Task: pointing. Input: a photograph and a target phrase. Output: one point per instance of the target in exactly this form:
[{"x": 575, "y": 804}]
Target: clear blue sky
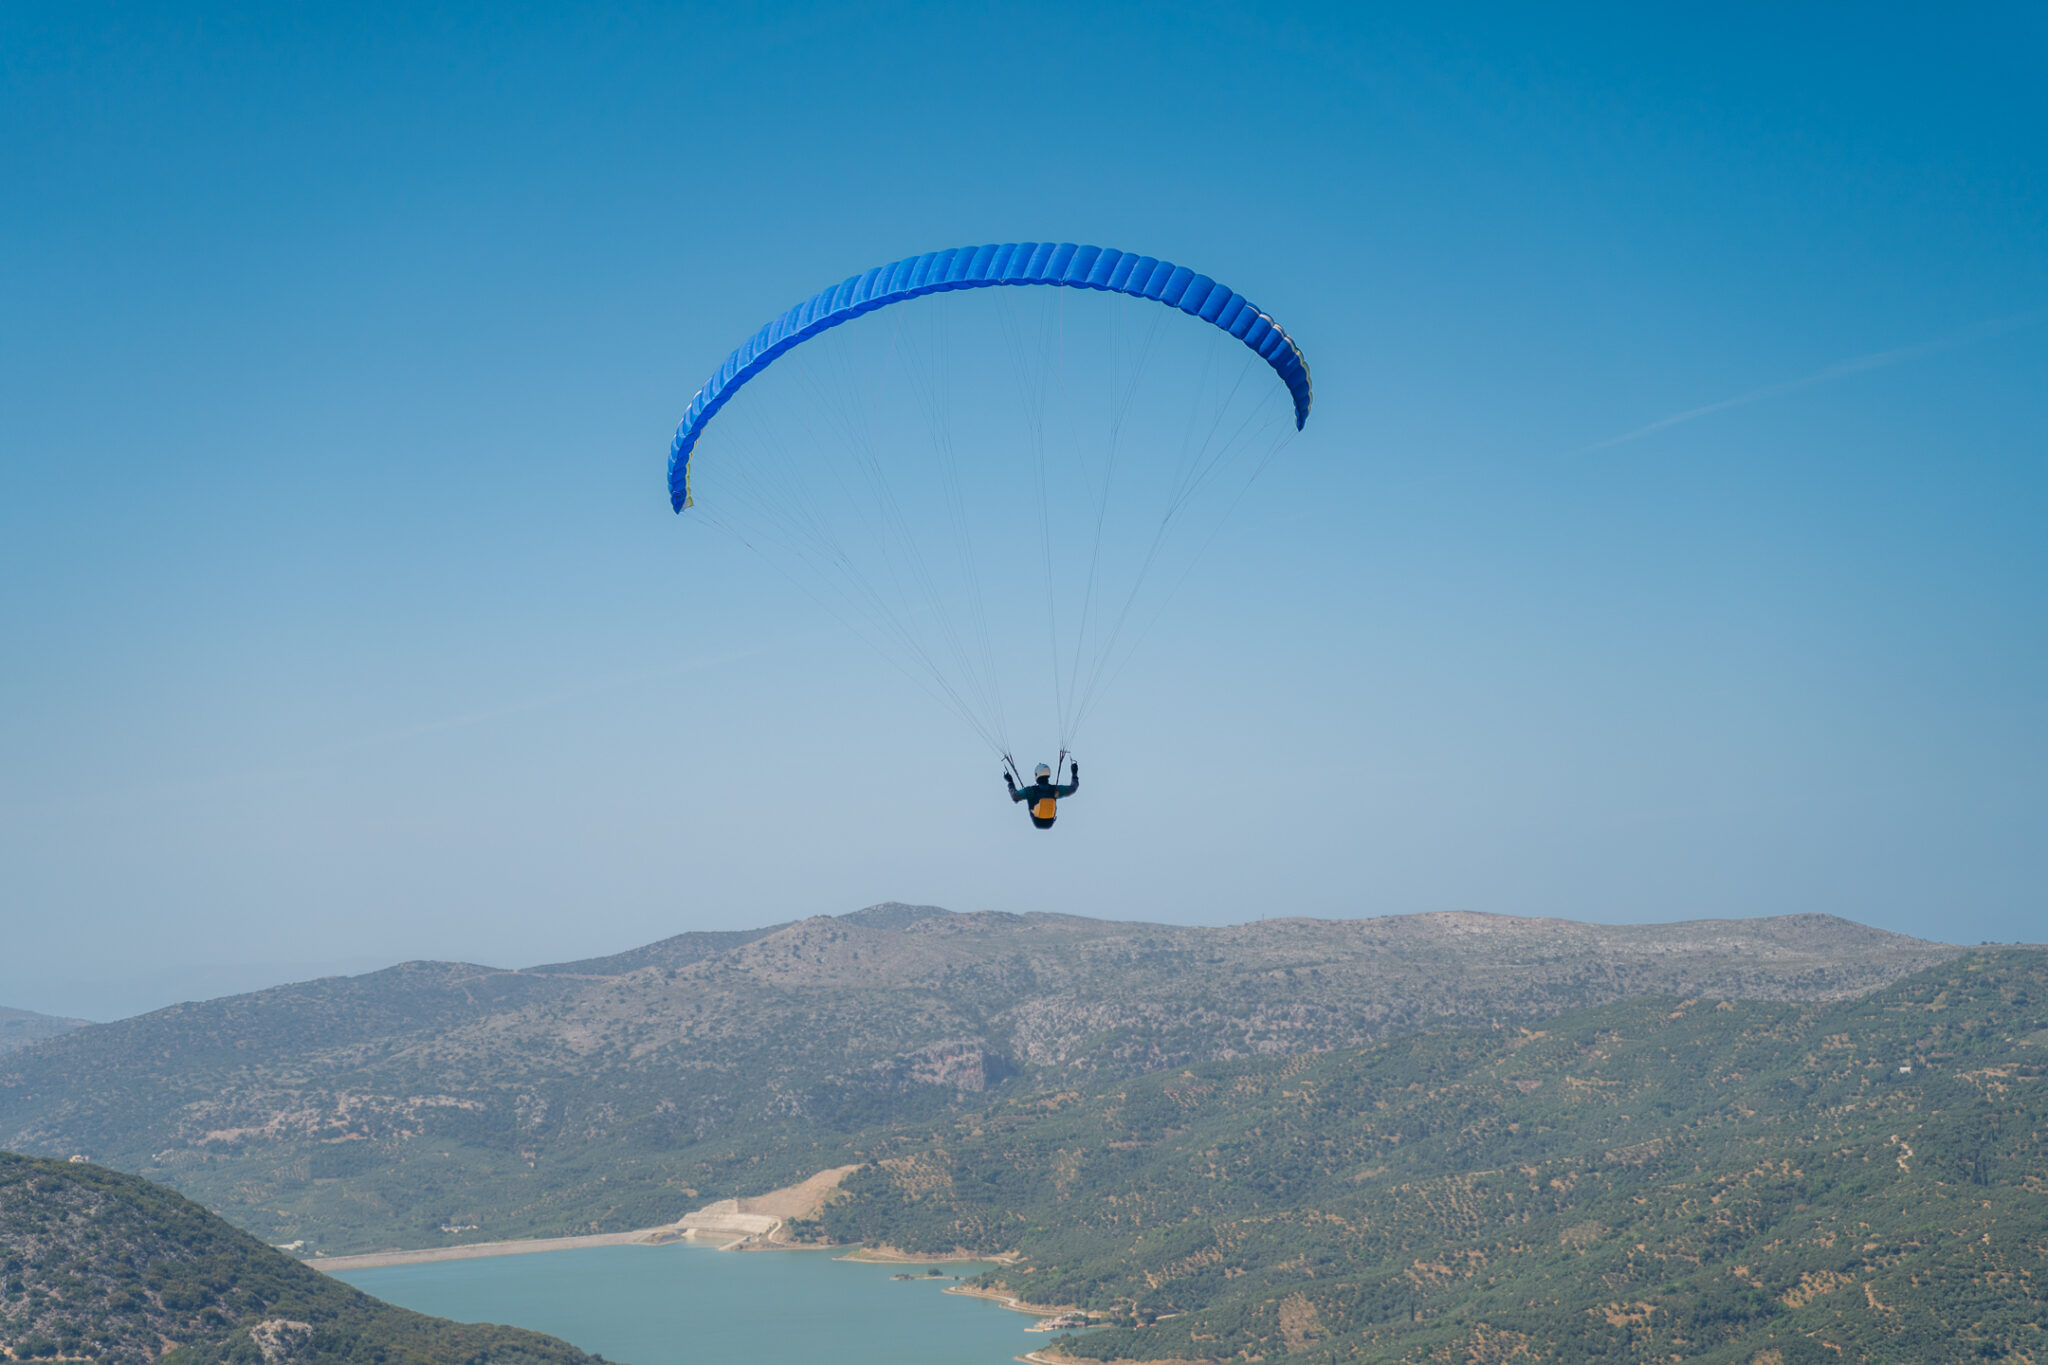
[{"x": 343, "y": 618}]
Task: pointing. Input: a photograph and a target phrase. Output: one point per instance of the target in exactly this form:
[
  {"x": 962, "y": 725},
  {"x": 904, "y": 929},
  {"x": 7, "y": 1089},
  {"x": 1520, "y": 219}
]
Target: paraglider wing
[{"x": 980, "y": 267}]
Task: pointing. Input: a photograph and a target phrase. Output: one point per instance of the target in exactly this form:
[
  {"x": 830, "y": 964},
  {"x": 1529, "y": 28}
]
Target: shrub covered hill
[
  {"x": 1695, "y": 1180},
  {"x": 437, "y": 1101},
  {"x": 111, "y": 1268}
]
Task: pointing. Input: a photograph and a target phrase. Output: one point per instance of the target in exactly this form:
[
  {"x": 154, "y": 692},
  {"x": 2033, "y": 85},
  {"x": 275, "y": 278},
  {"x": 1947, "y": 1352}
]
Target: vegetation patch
[{"x": 95, "y": 1265}]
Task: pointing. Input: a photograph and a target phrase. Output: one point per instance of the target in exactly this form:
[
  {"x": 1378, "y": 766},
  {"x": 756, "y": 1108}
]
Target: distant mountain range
[
  {"x": 440, "y": 1101},
  {"x": 106, "y": 1267},
  {"x": 19, "y": 1028}
]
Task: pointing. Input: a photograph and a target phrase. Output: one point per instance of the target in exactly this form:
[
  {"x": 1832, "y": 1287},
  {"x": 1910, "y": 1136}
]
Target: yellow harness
[{"x": 1045, "y": 808}]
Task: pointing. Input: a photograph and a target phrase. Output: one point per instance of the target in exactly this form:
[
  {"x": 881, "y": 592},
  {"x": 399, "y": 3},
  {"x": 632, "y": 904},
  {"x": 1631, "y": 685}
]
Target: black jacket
[{"x": 1038, "y": 791}]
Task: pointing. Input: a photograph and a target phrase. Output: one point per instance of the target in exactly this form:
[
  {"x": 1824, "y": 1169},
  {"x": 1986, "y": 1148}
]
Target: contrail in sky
[{"x": 1877, "y": 360}]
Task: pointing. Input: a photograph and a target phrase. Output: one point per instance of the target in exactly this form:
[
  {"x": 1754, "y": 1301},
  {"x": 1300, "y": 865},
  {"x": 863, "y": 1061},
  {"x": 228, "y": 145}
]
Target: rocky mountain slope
[
  {"x": 111, "y": 1268},
  {"x": 19, "y": 1028},
  {"x": 442, "y": 1100}
]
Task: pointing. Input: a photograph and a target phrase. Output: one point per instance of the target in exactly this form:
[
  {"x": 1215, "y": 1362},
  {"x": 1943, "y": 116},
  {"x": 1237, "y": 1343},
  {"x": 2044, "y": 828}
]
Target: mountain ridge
[
  {"x": 20, "y": 1028},
  {"x": 602, "y": 1094}
]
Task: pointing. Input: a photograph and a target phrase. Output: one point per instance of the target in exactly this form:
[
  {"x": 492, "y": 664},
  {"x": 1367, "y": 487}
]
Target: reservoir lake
[{"x": 666, "y": 1305}]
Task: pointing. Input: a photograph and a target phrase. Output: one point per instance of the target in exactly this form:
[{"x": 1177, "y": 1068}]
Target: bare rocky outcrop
[
  {"x": 762, "y": 1220},
  {"x": 280, "y": 1339}
]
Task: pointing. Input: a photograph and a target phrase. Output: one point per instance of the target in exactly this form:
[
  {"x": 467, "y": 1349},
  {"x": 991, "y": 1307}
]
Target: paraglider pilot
[{"x": 1044, "y": 794}]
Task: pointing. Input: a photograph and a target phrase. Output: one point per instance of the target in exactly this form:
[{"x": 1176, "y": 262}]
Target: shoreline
[
  {"x": 891, "y": 1256},
  {"x": 669, "y": 1234},
  {"x": 470, "y": 1251},
  {"x": 730, "y": 1223},
  {"x": 1007, "y": 1300}
]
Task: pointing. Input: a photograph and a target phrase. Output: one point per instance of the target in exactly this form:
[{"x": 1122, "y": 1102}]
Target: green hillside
[
  {"x": 617, "y": 1092},
  {"x": 109, "y": 1267},
  {"x": 1321, "y": 1142},
  {"x": 1672, "y": 1180}
]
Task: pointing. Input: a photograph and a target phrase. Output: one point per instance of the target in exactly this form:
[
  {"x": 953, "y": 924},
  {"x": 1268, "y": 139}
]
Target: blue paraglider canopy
[{"x": 979, "y": 267}]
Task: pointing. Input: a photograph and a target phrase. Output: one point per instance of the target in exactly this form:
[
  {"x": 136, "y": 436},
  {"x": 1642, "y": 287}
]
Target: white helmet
[{"x": 1043, "y": 770}]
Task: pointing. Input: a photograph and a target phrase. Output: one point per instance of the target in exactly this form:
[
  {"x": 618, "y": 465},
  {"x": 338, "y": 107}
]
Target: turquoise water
[{"x": 673, "y": 1304}]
